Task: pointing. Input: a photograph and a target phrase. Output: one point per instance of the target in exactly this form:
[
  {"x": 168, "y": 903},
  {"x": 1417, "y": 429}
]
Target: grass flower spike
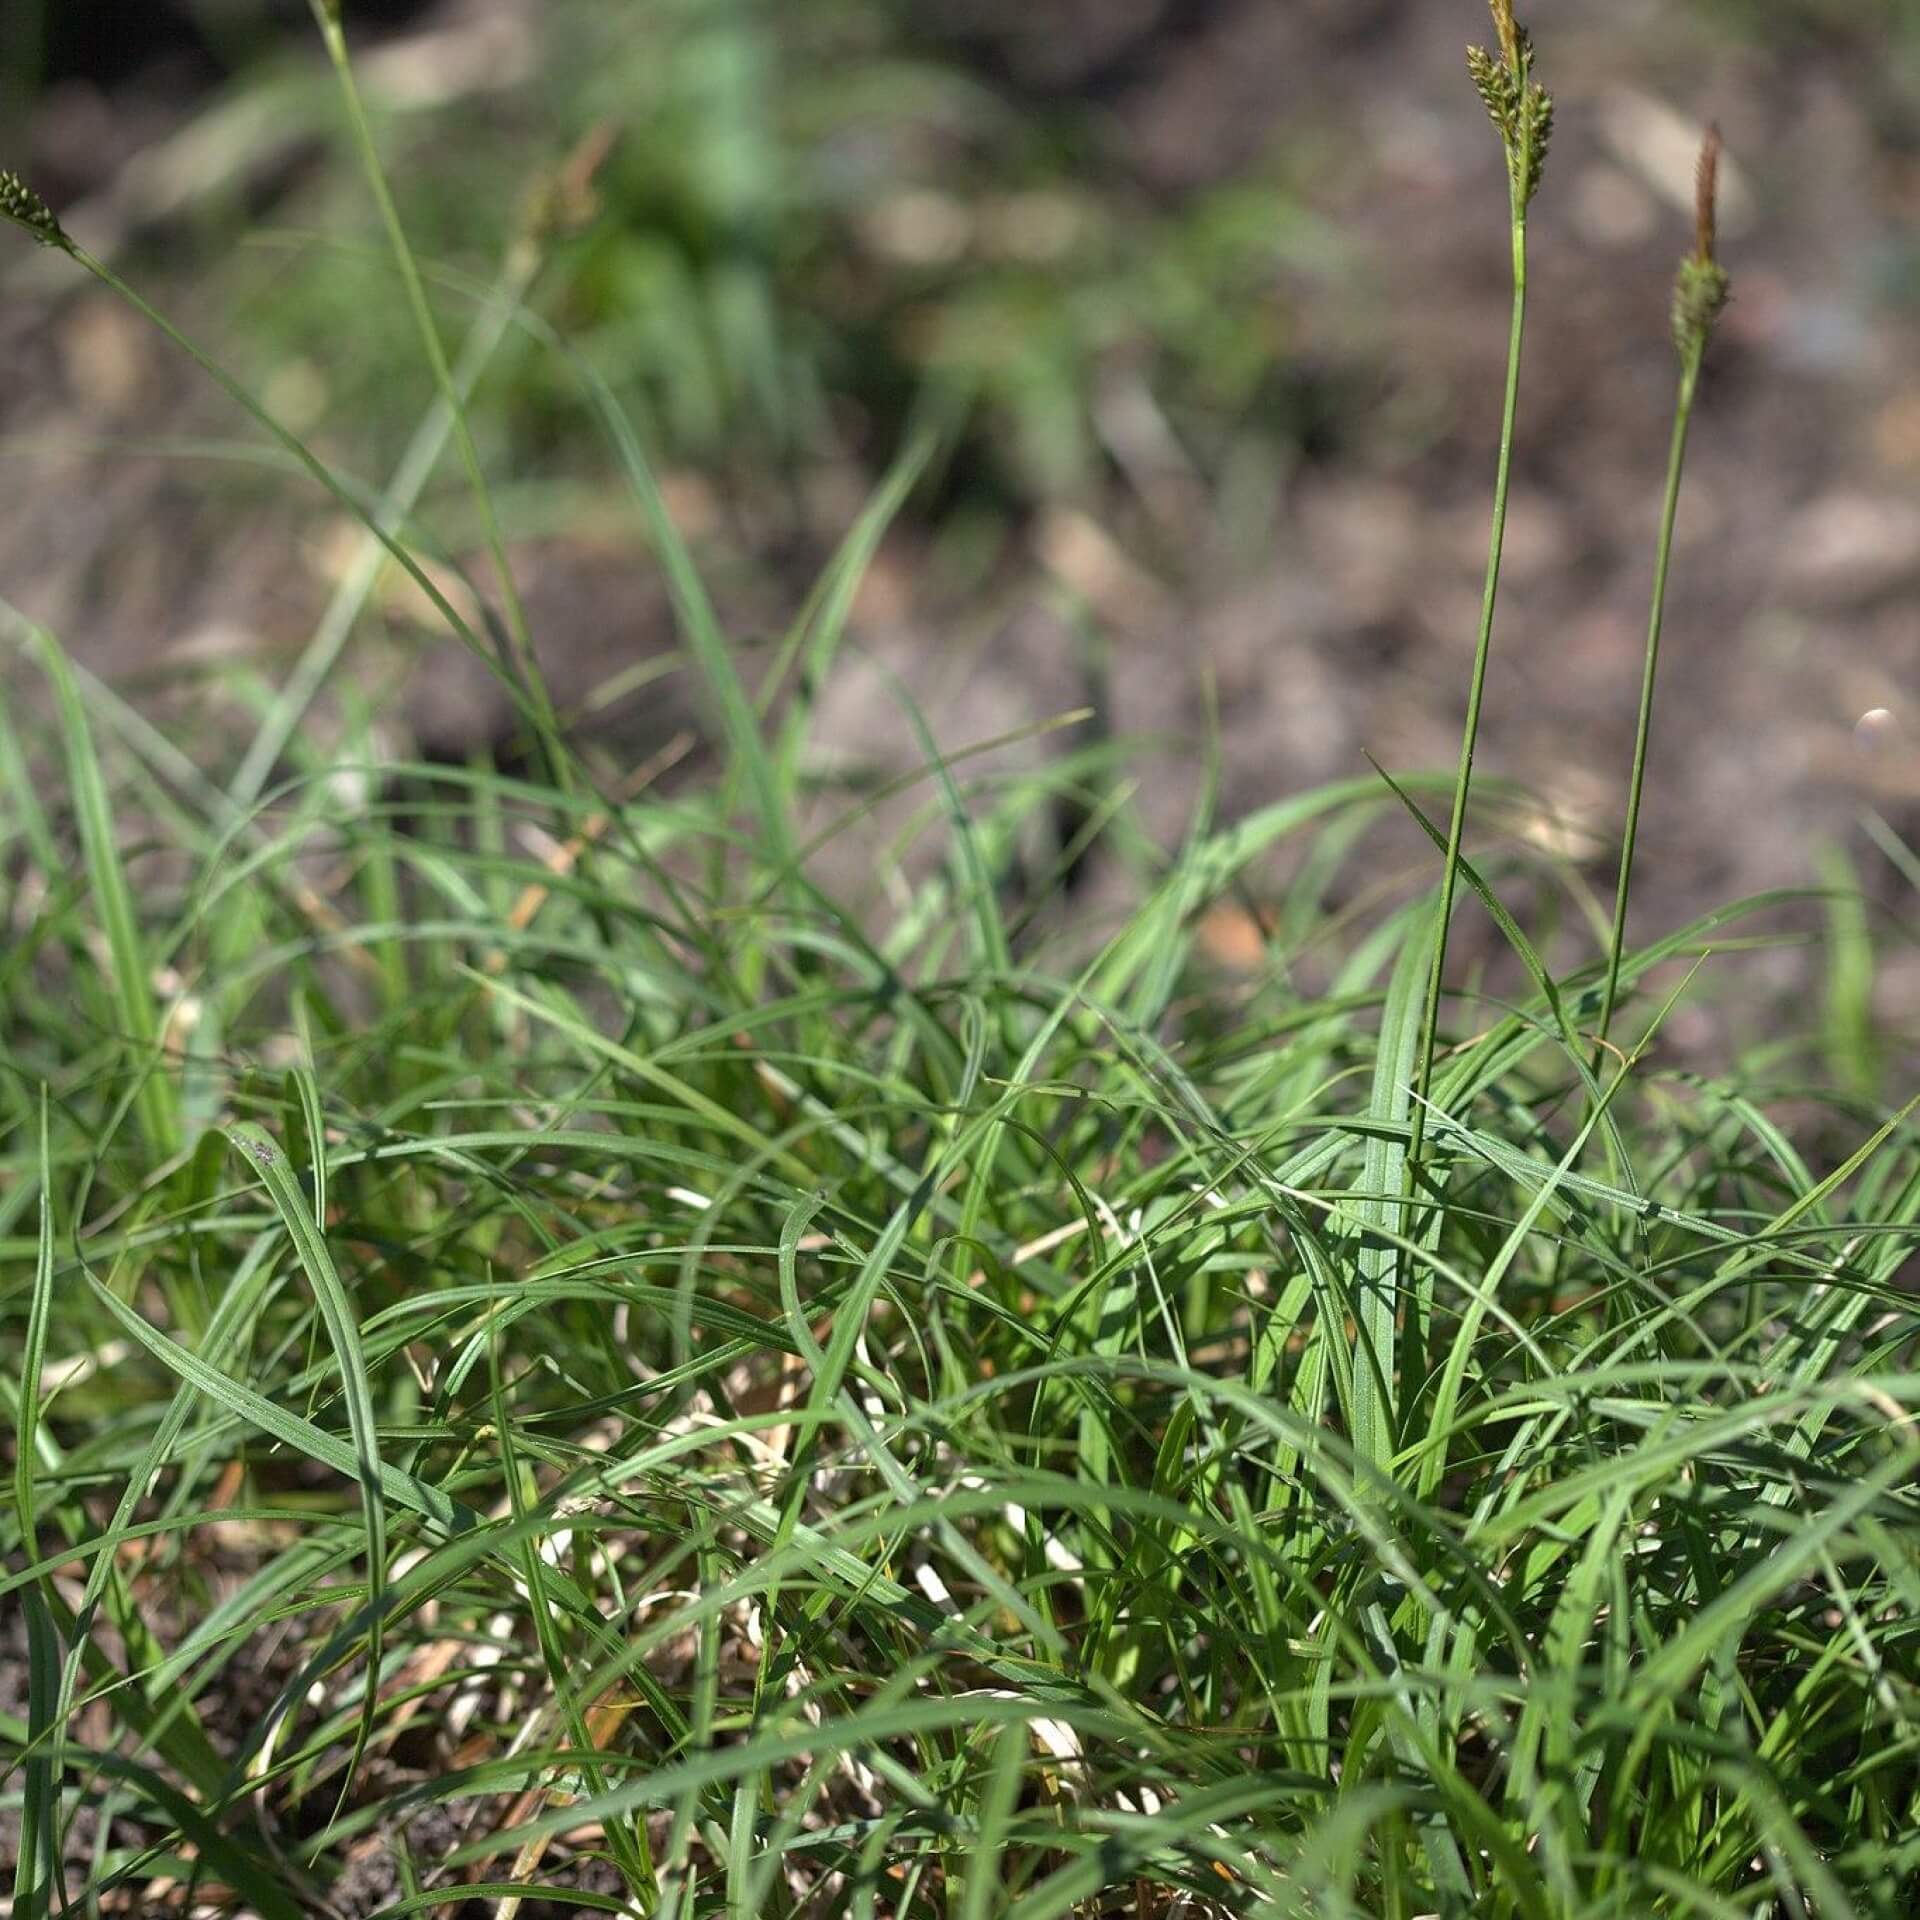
[
  {"x": 1520, "y": 108},
  {"x": 25, "y": 208},
  {"x": 1701, "y": 287}
]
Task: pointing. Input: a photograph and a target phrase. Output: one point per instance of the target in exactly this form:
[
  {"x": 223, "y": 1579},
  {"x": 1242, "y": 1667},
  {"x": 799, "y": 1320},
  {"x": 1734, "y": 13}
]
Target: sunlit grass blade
[
  {"x": 131, "y": 987},
  {"x": 342, "y": 1324},
  {"x": 1380, "y": 1298},
  {"x": 36, "y": 1861}
]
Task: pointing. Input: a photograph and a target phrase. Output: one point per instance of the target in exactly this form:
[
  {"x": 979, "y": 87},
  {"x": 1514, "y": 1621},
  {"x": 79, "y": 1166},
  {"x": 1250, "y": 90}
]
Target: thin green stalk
[
  {"x": 350, "y": 597},
  {"x": 1636, "y": 785},
  {"x": 1522, "y": 114},
  {"x": 519, "y": 636},
  {"x": 1699, "y": 297},
  {"x": 1470, "y": 734},
  {"x": 309, "y": 463}
]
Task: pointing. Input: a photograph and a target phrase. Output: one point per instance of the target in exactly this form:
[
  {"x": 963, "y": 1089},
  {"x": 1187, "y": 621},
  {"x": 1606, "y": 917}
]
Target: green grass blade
[
  {"x": 156, "y": 1102},
  {"x": 1377, "y": 1304}
]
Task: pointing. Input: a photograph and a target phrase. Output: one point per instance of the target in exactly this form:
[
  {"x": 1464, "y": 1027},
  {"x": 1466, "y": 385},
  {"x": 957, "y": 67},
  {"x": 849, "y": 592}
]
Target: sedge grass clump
[{"x": 620, "y": 1384}]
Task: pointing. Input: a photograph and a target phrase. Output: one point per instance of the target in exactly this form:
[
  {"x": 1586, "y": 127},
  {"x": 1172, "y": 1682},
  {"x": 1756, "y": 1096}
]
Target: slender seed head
[
  {"x": 1512, "y": 35},
  {"x": 1519, "y": 107},
  {"x": 20, "y": 204},
  {"x": 1707, "y": 196},
  {"x": 1494, "y": 83},
  {"x": 567, "y": 201},
  {"x": 1539, "y": 122},
  {"x": 1702, "y": 288}
]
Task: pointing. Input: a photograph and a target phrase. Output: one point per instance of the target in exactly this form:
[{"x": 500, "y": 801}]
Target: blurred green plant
[
  {"x": 808, "y": 222},
  {"x": 1858, "y": 21}
]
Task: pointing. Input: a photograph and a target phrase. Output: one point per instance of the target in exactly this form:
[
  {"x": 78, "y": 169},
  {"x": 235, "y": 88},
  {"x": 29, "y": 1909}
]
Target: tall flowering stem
[
  {"x": 1700, "y": 294},
  {"x": 1522, "y": 114}
]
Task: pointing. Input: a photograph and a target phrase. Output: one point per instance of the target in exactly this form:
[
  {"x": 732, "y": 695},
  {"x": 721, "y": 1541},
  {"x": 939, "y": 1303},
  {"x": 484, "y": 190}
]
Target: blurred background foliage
[
  {"x": 1213, "y": 292},
  {"x": 817, "y": 212},
  {"x": 812, "y": 213},
  {"x": 812, "y": 218}
]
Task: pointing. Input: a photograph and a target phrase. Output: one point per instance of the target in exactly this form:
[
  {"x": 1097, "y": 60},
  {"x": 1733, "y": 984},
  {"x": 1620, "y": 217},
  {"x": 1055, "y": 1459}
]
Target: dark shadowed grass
[{"x": 553, "y": 1363}]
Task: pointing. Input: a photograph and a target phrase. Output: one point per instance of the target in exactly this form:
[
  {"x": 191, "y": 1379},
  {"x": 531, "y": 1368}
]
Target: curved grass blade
[
  {"x": 156, "y": 1101},
  {"x": 343, "y": 1334},
  {"x": 36, "y": 1861}
]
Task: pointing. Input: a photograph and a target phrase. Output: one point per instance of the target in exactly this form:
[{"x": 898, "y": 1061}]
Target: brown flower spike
[
  {"x": 1509, "y": 31},
  {"x": 1707, "y": 195},
  {"x": 1701, "y": 288}
]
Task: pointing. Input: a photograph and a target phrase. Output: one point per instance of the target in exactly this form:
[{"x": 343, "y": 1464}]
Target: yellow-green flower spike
[
  {"x": 1495, "y": 86},
  {"x": 25, "y": 208},
  {"x": 1521, "y": 110},
  {"x": 1538, "y": 118}
]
